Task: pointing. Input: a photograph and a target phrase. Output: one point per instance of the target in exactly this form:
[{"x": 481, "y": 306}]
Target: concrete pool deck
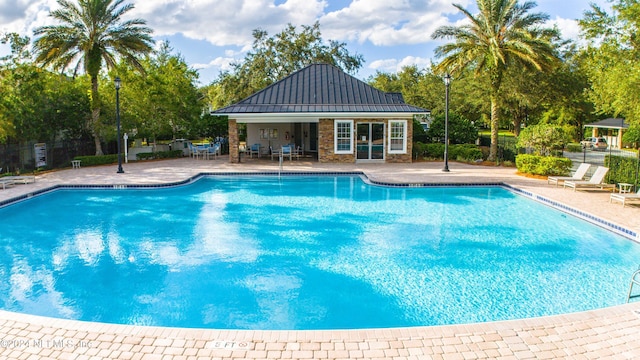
[{"x": 610, "y": 333}]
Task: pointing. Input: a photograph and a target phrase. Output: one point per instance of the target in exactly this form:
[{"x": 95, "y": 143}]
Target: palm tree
[
  {"x": 92, "y": 32},
  {"x": 502, "y": 35}
]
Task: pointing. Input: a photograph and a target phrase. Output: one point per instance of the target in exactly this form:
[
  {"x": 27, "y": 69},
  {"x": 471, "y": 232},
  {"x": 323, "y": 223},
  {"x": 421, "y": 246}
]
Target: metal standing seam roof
[
  {"x": 609, "y": 123},
  {"x": 320, "y": 88}
]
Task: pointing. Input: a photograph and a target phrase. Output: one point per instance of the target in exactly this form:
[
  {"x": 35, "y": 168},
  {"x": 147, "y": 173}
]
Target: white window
[
  {"x": 343, "y": 136},
  {"x": 397, "y": 136}
]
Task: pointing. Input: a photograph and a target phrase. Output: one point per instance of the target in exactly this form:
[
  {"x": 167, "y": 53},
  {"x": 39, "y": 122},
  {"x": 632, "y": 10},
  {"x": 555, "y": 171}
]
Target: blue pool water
[{"x": 303, "y": 253}]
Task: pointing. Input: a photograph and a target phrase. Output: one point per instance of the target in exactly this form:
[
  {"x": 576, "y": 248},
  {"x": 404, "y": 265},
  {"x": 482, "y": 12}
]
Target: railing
[{"x": 634, "y": 281}]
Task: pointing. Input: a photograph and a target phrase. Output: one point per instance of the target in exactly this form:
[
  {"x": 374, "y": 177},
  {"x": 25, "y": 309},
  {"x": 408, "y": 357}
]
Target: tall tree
[
  {"x": 12, "y": 67},
  {"x": 426, "y": 89},
  {"x": 273, "y": 58},
  {"x": 613, "y": 58},
  {"x": 502, "y": 35},
  {"x": 35, "y": 104},
  {"x": 163, "y": 104},
  {"x": 92, "y": 33}
]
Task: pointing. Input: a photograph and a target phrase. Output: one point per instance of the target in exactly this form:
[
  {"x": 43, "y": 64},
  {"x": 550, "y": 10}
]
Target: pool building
[{"x": 328, "y": 114}]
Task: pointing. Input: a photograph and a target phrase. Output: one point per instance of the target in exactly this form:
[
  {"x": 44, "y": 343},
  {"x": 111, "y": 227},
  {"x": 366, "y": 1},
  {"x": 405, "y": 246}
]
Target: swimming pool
[{"x": 303, "y": 253}]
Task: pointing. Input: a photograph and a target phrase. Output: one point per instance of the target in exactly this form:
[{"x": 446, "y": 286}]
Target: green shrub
[
  {"x": 542, "y": 138},
  {"x": 574, "y": 148},
  {"x": 172, "y": 154},
  {"x": 159, "y": 155},
  {"x": 145, "y": 156},
  {"x": 621, "y": 169},
  {"x": 465, "y": 152},
  {"x": 97, "y": 160},
  {"x": 434, "y": 151},
  {"x": 461, "y": 129},
  {"x": 543, "y": 165},
  {"x": 419, "y": 150},
  {"x": 460, "y": 152}
]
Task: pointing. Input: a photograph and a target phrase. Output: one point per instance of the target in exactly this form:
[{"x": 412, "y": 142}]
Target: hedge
[
  {"x": 160, "y": 155},
  {"x": 460, "y": 152},
  {"x": 465, "y": 152},
  {"x": 574, "y": 148},
  {"x": 97, "y": 159},
  {"x": 113, "y": 158},
  {"x": 621, "y": 169},
  {"x": 543, "y": 165}
]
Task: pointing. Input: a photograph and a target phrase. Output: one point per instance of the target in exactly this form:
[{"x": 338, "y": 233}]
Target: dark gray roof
[
  {"x": 609, "y": 124},
  {"x": 321, "y": 88}
]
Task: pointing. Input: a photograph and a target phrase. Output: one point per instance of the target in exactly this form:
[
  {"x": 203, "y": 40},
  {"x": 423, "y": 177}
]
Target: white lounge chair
[
  {"x": 5, "y": 182},
  {"x": 596, "y": 181},
  {"x": 23, "y": 179},
  {"x": 624, "y": 197},
  {"x": 581, "y": 171}
]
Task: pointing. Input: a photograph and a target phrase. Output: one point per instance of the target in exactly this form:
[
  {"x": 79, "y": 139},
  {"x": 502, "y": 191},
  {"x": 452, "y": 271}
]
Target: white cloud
[
  {"x": 568, "y": 28},
  {"x": 225, "y": 22},
  {"x": 222, "y": 63},
  {"x": 386, "y": 23},
  {"x": 395, "y": 65},
  {"x": 22, "y": 16}
]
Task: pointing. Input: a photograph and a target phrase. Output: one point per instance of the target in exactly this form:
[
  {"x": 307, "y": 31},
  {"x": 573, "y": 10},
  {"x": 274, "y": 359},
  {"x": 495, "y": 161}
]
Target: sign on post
[{"x": 41, "y": 154}]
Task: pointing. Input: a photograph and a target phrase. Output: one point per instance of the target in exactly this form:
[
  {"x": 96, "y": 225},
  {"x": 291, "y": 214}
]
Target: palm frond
[{"x": 92, "y": 25}]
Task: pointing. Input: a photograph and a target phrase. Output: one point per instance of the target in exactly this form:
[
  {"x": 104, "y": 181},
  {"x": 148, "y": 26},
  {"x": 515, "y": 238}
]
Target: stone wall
[
  {"x": 234, "y": 141},
  {"x": 326, "y": 145},
  {"x": 402, "y": 158}
]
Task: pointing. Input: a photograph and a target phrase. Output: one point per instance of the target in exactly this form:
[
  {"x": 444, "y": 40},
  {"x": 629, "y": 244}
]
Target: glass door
[{"x": 370, "y": 141}]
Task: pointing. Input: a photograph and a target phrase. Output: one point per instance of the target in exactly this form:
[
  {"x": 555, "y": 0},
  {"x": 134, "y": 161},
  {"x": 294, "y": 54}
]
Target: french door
[{"x": 370, "y": 141}]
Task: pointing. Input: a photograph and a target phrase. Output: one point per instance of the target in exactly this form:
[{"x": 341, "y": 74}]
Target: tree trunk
[
  {"x": 95, "y": 115},
  {"x": 518, "y": 120},
  {"x": 495, "y": 124}
]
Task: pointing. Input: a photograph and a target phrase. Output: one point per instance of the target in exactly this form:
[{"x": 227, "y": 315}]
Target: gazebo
[
  {"x": 611, "y": 129},
  {"x": 326, "y": 113}
]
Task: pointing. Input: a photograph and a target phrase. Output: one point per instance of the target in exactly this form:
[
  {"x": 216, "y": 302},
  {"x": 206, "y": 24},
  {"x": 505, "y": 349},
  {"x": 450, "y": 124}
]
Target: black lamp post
[
  {"x": 118, "y": 82},
  {"x": 447, "y": 82}
]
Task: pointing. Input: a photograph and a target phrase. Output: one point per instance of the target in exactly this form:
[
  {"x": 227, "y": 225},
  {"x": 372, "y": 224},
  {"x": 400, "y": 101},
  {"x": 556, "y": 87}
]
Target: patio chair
[
  {"x": 193, "y": 151},
  {"x": 596, "y": 181},
  {"x": 213, "y": 150},
  {"x": 581, "y": 171},
  {"x": 287, "y": 151},
  {"x": 296, "y": 151},
  {"x": 274, "y": 152},
  {"x": 254, "y": 149},
  {"x": 624, "y": 197}
]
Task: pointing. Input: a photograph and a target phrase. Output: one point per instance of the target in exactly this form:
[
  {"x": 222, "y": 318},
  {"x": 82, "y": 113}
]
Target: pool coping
[{"x": 607, "y": 333}]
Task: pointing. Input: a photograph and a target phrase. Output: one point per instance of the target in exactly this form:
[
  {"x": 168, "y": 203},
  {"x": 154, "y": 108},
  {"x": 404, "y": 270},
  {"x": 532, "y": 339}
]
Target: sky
[{"x": 210, "y": 34}]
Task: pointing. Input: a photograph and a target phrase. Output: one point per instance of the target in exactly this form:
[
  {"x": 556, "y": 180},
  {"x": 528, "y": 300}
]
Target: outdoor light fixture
[
  {"x": 117, "y": 83},
  {"x": 447, "y": 82}
]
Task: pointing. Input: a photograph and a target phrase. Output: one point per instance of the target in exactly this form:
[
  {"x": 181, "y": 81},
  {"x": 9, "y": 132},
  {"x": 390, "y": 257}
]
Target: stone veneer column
[
  {"x": 325, "y": 140},
  {"x": 234, "y": 142}
]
